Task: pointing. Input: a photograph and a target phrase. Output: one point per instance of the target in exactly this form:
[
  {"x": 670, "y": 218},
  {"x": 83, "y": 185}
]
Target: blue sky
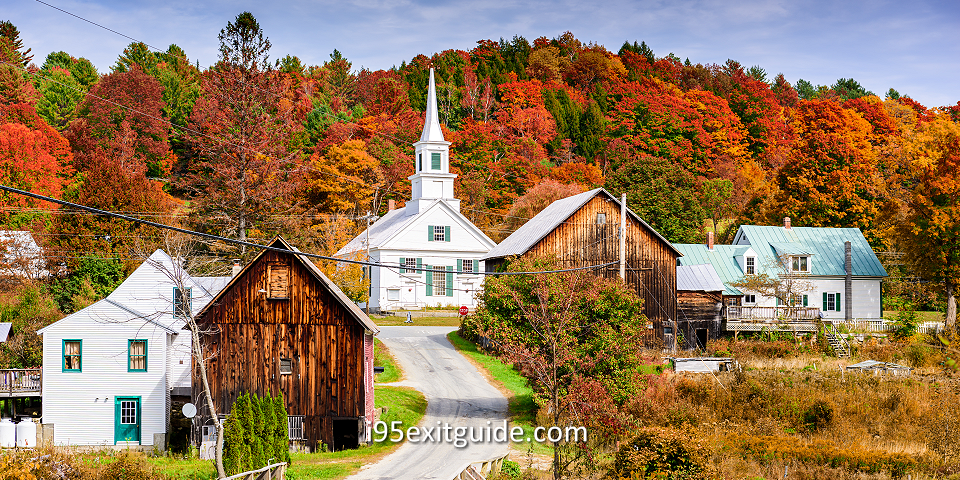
[{"x": 913, "y": 47}]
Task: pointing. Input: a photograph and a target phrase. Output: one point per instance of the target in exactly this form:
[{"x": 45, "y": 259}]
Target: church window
[{"x": 435, "y": 162}]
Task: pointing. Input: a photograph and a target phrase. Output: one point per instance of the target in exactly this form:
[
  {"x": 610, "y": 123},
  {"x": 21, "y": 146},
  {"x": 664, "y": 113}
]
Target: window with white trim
[
  {"x": 468, "y": 266},
  {"x": 800, "y": 264},
  {"x": 439, "y": 233},
  {"x": 749, "y": 299},
  {"x": 751, "y": 265},
  {"x": 440, "y": 283}
]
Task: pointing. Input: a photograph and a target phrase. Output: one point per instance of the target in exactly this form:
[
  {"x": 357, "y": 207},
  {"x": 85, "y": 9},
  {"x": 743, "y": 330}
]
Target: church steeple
[{"x": 432, "y": 179}]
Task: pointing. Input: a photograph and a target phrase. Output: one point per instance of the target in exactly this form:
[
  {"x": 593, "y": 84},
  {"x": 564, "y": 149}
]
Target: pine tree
[{"x": 281, "y": 434}]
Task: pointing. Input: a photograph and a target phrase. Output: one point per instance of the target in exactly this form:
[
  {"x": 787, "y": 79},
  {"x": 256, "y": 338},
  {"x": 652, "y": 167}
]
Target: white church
[{"x": 429, "y": 251}]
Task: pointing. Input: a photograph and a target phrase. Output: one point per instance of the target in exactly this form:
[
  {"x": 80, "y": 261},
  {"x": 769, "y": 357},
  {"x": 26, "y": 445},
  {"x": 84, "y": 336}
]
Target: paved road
[{"x": 456, "y": 395}]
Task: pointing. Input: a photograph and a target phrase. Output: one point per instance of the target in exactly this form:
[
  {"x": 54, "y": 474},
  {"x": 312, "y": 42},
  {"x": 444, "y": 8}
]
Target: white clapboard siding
[{"x": 80, "y": 405}]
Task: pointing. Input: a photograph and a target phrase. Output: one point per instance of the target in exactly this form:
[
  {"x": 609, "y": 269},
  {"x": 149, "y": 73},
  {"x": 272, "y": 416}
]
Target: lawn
[
  {"x": 383, "y": 358},
  {"x": 523, "y": 410}
]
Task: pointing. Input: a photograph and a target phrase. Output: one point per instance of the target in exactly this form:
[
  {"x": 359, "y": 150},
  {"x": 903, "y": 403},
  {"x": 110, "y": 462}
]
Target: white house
[
  {"x": 110, "y": 369},
  {"x": 814, "y": 257},
  {"x": 20, "y": 256},
  {"x": 429, "y": 251}
]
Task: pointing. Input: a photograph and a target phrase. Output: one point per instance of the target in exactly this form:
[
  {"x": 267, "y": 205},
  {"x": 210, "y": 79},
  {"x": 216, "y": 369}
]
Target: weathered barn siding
[
  {"x": 308, "y": 325},
  {"x": 581, "y": 241},
  {"x": 698, "y": 311}
]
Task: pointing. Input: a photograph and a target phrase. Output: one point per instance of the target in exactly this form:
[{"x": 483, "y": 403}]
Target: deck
[
  {"x": 22, "y": 382},
  {"x": 754, "y": 319}
]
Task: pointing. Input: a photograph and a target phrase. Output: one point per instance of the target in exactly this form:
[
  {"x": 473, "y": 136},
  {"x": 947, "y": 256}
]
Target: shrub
[
  {"x": 661, "y": 453},
  {"x": 818, "y": 415},
  {"x": 128, "y": 466},
  {"x": 255, "y": 433}
]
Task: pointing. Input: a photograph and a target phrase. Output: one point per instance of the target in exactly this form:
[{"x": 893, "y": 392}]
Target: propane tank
[
  {"x": 8, "y": 433},
  {"x": 27, "y": 433}
]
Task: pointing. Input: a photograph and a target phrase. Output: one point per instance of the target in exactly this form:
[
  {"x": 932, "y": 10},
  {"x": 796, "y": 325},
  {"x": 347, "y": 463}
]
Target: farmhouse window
[
  {"x": 72, "y": 355},
  {"x": 181, "y": 302},
  {"x": 831, "y": 302},
  {"x": 136, "y": 355},
  {"x": 286, "y": 366},
  {"x": 749, "y": 299},
  {"x": 801, "y": 264},
  {"x": 278, "y": 281},
  {"x": 751, "y": 265}
]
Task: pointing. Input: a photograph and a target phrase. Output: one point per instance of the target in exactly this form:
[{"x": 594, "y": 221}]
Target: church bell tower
[{"x": 432, "y": 179}]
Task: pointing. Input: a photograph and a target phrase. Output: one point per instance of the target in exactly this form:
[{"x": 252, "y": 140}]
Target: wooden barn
[
  {"x": 281, "y": 325},
  {"x": 583, "y": 230},
  {"x": 699, "y": 306}
]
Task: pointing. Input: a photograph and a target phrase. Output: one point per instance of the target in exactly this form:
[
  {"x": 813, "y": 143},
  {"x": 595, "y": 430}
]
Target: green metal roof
[
  {"x": 722, "y": 257},
  {"x": 791, "y": 248},
  {"x": 825, "y": 244}
]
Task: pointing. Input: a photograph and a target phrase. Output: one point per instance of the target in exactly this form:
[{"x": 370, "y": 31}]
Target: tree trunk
[
  {"x": 950, "y": 323},
  {"x": 212, "y": 409}
]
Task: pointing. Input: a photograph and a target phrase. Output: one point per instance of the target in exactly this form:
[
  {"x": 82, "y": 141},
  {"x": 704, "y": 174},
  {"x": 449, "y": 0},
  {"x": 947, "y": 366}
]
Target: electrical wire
[{"x": 263, "y": 247}]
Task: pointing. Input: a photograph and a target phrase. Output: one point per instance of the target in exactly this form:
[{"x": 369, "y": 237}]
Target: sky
[{"x": 912, "y": 47}]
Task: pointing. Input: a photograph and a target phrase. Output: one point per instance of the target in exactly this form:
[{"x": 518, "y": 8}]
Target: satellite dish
[{"x": 189, "y": 410}]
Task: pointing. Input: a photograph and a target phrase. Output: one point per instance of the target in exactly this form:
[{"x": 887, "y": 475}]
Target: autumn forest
[{"x": 256, "y": 145}]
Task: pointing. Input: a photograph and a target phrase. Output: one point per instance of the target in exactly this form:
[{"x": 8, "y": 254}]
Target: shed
[
  {"x": 281, "y": 326},
  {"x": 703, "y": 364},
  {"x": 874, "y": 366},
  {"x": 582, "y": 230},
  {"x": 699, "y": 305}
]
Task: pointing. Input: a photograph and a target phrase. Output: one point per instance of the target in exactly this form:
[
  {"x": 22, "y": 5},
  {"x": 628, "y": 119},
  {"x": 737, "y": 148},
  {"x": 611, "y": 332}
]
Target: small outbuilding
[{"x": 699, "y": 306}]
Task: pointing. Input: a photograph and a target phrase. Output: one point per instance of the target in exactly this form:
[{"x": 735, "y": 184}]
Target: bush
[
  {"x": 128, "y": 466},
  {"x": 818, "y": 415},
  {"x": 661, "y": 453},
  {"x": 255, "y": 433}
]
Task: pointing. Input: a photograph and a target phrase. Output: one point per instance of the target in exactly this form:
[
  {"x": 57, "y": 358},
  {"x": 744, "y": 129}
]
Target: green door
[{"x": 126, "y": 426}]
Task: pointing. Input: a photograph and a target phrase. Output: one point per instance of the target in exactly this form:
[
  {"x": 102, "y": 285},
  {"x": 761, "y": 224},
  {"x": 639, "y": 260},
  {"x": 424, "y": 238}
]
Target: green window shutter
[
  {"x": 824, "y": 302},
  {"x": 837, "y": 302},
  {"x": 778, "y": 301},
  {"x": 460, "y": 265},
  {"x": 429, "y": 282},
  {"x": 435, "y": 161},
  {"x": 429, "y": 233},
  {"x": 419, "y": 264},
  {"x": 805, "y": 304},
  {"x": 450, "y": 281},
  {"x": 446, "y": 233},
  {"x": 402, "y": 262}
]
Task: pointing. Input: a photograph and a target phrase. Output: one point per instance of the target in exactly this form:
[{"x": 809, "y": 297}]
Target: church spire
[{"x": 431, "y": 124}]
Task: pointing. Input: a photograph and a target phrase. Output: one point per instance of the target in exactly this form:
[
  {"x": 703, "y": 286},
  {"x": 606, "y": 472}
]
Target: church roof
[
  {"x": 431, "y": 123},
  {"x": 381, "y": 231}
]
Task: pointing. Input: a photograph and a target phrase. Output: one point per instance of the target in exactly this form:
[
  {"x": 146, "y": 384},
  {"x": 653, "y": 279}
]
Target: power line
[{"x": 263, "y": 247}]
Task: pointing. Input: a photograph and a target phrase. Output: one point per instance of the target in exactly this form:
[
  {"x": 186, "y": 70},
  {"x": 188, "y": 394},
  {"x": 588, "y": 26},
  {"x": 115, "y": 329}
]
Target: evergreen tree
[{"x": 281, "y": 434}]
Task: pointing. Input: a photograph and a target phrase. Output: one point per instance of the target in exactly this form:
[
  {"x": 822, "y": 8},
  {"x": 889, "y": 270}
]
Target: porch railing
[
  {"x": 21, "y": 380},
  {"x": 772, "y": 314}
]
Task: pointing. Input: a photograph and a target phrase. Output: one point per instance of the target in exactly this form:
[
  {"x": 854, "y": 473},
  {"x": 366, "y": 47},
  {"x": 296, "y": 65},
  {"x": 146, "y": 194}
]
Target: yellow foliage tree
[{"x": 344, "y": 178}]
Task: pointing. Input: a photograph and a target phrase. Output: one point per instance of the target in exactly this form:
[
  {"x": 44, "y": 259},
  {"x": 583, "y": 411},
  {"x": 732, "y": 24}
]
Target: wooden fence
[{"x": 275, "y": 471}]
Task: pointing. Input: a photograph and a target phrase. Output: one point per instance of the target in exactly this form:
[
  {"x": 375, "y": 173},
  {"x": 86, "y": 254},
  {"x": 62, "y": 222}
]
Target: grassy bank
[
  {"x": 418, "y": 321},
  {"x": 523, "y": 410},
  {"x": 383, "y": 358}
]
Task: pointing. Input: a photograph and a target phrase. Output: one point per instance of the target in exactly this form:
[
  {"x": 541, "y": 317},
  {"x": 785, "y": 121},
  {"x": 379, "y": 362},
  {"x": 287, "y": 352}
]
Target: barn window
[
  {"x": 601, "y": 218},
  {"x": 278, "y": 281},
  {"x": 286, "y": 366}
]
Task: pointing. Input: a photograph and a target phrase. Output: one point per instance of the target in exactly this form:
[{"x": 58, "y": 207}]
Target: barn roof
[
  {"x": 698, "y": 278},
  {"x": 538, "y": 227},
  {"x": 723, "y": 258},
  {"x": 331, "y": 287}
]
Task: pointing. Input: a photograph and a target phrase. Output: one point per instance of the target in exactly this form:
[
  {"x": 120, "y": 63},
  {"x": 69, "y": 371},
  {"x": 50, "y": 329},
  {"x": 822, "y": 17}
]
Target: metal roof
[
  {"x": 825, "y": 244},
  {"x": 549, "y": 219},
  {"x": 381, "y": 231},
  {"x": 722, "y": 258},
  {"x": 5, "y": 331},
  {"x": 698, "y": 278}
]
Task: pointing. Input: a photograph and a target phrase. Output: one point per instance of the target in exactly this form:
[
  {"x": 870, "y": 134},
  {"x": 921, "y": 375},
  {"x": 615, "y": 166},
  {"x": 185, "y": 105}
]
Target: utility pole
[
  {"x": 369, "y": 268},
  {"x": 623, "y": 237}
]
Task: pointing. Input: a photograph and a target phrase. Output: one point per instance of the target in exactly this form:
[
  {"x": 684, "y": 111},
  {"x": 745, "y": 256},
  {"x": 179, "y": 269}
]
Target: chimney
[
  {"x": 236, "y": 267},
  {"x": 391, "y": 204},
  {"x": 786, "y": 223},
  {"x": 709, "y": 240}
]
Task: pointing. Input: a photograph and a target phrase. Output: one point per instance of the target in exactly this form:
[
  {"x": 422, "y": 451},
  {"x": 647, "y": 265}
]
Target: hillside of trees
[{"x": 256, "y": 145}]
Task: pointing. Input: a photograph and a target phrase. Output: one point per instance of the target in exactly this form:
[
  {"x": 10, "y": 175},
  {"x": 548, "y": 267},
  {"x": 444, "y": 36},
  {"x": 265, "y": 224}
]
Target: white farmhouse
[
  {"x": 429, "y": 251},
  {"x": 109, "y": 370},
  {"x": 815, "y": 257}
]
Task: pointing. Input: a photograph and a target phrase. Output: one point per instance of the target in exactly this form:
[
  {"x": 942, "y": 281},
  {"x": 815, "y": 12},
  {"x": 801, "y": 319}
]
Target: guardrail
[
  {"x": 275, "y": 471},
  {"x": 20, "y": 380}
]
